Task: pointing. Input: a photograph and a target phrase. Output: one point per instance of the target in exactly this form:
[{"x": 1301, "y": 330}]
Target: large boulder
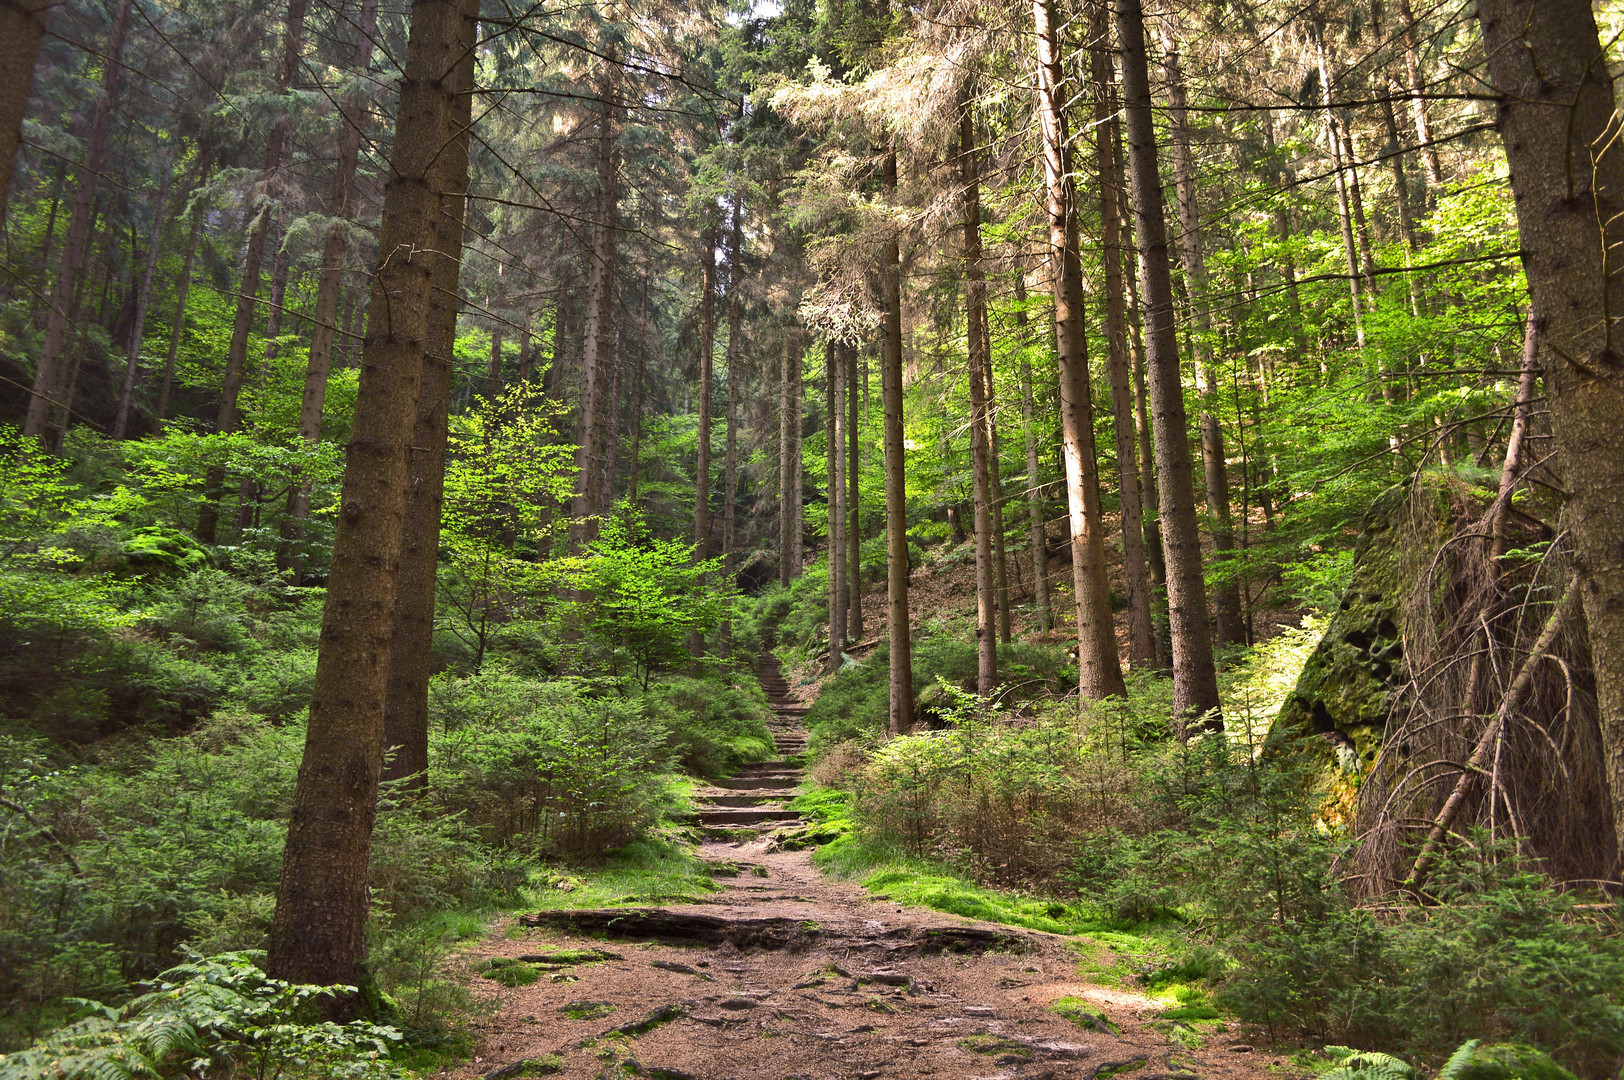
[
  {"x": 1505, "y": 1061},
  {"x": 1345, "y": 694}
]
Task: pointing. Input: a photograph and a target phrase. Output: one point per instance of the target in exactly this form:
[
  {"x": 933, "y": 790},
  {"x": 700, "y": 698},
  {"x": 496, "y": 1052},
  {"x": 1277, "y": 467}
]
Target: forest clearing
[{"x": 811, "y": 539}]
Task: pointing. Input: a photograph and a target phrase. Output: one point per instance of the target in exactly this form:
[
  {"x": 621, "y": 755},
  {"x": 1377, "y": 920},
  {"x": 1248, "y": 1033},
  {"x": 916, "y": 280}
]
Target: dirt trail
[{"x": 785, "y": 975}]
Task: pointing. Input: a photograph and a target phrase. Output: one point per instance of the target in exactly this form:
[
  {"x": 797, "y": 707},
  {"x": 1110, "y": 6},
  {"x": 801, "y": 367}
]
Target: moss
[
  {"x": 1079, "y": 1012},
  {"x": 587, "y": 1010},
  {"x": 994, "y": 1045},
  {"x": 1510, "y": 1061},
  {"x": 508, "y": 972},
  {"x": 1339, "y": 708}
]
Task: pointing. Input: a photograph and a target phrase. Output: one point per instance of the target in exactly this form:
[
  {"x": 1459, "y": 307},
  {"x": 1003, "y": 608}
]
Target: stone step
[
  {"x": 760, "y": 783},
  {"x": 759, "y": 768},
  {"x": 737, "y": 818},
  {"x": 738, "y": 800}
]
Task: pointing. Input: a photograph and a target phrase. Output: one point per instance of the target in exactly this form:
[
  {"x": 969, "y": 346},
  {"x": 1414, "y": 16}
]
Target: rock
[
  {"x": 1340, "y": 705},
  {"x": 737, "y": 1004},
  {"x": 1239, "y": 1048},
  {"x": 550, "y": 1065},
  {"x": 1507, "y": 1061}
]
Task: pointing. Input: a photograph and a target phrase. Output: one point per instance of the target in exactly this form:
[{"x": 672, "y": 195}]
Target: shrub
[{"x": 210, "y": 1016}]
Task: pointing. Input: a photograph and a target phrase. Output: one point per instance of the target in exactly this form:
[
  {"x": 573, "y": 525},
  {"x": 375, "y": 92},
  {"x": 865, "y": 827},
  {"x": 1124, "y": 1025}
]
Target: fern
[
  {"x": 1457, "y": 1061},
  {"x": 1366, "y": 1065},
  {"x": 218, "y": 1012}
]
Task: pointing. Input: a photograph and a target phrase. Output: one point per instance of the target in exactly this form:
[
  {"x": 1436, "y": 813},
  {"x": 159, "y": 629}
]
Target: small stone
[
  {"x": 738, "y": 1003},
  {"x": 979, "y": 1010},
  {"x": 1240, "y": 1048}
]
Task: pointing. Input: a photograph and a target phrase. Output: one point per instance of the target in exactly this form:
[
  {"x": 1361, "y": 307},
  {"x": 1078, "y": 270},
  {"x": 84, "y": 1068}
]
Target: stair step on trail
[{"x": 755, "y": 794}]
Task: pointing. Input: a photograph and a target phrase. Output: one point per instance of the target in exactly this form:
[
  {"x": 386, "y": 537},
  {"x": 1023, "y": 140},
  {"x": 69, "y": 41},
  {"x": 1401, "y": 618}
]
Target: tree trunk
[
  {"x": 786, "y": 491},
  {"x": 1418, "y": 101},
  {"x": 1214, "y": 463},
  {"x": 901, "y": 703},
  {"x": 975, "y": 307},
  {"x": 1344, "y": 209},
  {"x": 46, "y": 372},
  {"x": 735, "y": 358},
  {"x": 226, "y": 417},
  {"x": 1135, "y": 571},
  {"x": 1567, "y": 174},
  {"x": 406, "y": 705},
  {"x": 183, "y": 287},
  {"x": 1195, "y": 679},
  {"x": 797, "y": 530},
  {"x": 707, "y": 390},
  {"x": 854, "y": 525},
  {"x": 835, "y": 356},
  {"x": 1000, "y": 565},
  {"x": 22, "y": 24},
  {"x": 1036, "y": 536},
  {"x": 322, "y": 903},
  {"x": 143, "y": 297},
  {"x": 598, "y": 330},
  {"x": 1099, "y": 671}
]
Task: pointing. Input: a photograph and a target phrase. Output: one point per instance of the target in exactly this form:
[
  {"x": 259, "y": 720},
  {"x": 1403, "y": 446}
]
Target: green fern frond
[{"x": 1457, "y": 1061}]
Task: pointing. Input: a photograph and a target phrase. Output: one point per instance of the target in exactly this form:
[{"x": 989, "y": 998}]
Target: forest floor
[{"x": 784, "y": 974}]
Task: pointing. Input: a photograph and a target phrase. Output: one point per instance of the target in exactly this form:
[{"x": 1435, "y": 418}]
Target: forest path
[{"x": 786, "y": 975}]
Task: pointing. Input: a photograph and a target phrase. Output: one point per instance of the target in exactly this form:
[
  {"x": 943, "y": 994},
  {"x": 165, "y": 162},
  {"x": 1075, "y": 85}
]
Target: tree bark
[
  {"x": 975, "y": 308},
  {"x": 1135, "y": 570},
  {"x": 46, "y": 372},
  {"x": 598, "y": 330},
  {"x": 143, "y": 297},
  {"x": 786, "y": 492},
  {"x": 1344, "y": 208},
  {"x": 854, "y": 525},
  {"x": 1418, "y": 101},
  {"x": 183, "y": 287},
  {"x": 1567, "y": 174},
  {"x": 834, "y": 437},
  {"x": 406, "y": 704},
  {"x": 735, "y": 358},
  {"x": 901, "y": 693},
  {"x": 226, "y": 417},
  {"x": 22, "y": 24},
  {"x": 1036, "y": 535},
  {"x": 1231, "y": 629},
  {"x": 1099, "y": 670},
  {"x": 1195, "y": 679},
  {"x": 322, "y": 903}
]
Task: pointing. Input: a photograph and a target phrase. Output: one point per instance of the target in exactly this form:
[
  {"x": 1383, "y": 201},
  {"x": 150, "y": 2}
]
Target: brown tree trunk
[
  {"x": 183, "y": 287},
  {"x": 1418, "y": 101},
  {"x": 1135, "y": 570},
  {"x": 853, "y": 518},
  {"x": 975, "y": 308},
  {"x": 318, "y": 934},
  {"x": 901, "y": 695},
  {"x": 786, "y": 491},
  {"x": 406, "y": 704},
  {"x": 797, "y": 529},
  {"x": 46, "y": 372},
  {"x": 1567, "y": 173},
  {"x": 707, "y": 390},
  {"x": 735, "y": 358},
  {"x": 1099, "y": 671},
  {"x": 226, "y": 417},
  {"x": 598, "y": 330},
  {"x": 1195, "y": 679},
  {"x": 1350, "y": 249},
  {"x": 1036, "y": 536},
  {"x": 22, "y": 24},
  {"x": 143, "y": 298},
  {"x": 835, "y": 357},
  {"x": 1231, "y": 628}
]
